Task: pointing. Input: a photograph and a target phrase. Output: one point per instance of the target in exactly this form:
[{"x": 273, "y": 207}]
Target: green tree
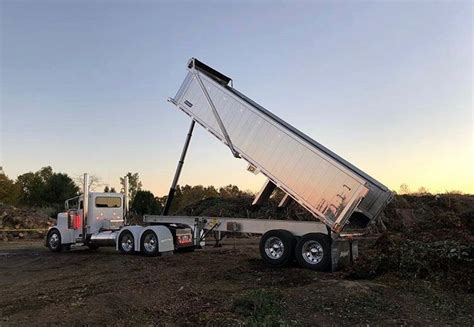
[
  {"x": 31, "y": 187},
  {"x": 187, "y": 194},
  {"x": 45, "y": 173},
  {"x": 45, "y": 188},
  {"x": 230, "y": 191},
  {"x": 145, "y": 203},
  {"x": 59, "y": 187},
  {"x": 134, "y": 184},
  {"x": 9, "y": 191}
]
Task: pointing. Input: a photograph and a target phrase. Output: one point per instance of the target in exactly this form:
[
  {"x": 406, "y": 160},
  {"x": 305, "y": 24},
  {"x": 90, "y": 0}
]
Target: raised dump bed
[{"x": 332, "y": 189}]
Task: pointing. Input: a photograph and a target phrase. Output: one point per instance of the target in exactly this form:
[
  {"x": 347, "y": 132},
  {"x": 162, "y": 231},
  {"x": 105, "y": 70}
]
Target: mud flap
[{"x": 343, "y": 253}]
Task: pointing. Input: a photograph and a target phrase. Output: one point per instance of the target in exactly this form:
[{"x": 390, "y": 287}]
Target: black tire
[
  {"x": 126, "y": 242},
  {"x": 277, "y": 247},
  {"x": 149, "y": 243},
  {"x": 313, "y": 251},
  {"x": 54, "y": 241}
]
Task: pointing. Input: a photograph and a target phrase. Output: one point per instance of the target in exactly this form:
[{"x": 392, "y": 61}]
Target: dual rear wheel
[
  {"x": 279, "y": 248},
  {"x": 148, "y": 243}
]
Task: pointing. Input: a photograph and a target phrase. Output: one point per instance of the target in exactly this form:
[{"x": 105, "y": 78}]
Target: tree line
[
  {"x": 38, "y": 189},
  {"x": 48, "y": 189}
]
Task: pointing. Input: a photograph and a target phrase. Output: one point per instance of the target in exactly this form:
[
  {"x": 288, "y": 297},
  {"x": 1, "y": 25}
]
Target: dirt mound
[{"x": 23, "y": 222}]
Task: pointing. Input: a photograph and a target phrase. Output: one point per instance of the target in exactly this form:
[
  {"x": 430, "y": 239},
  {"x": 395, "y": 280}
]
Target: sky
[{"x": 387, "y": 85}]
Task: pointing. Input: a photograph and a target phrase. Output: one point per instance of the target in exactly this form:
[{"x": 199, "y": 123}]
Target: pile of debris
[
  {"x": 23, "y": 223},
  {"x": 241, "y": 207},
  {"x": 448, "y": 261},
  {"x": 428, "y": 237}
]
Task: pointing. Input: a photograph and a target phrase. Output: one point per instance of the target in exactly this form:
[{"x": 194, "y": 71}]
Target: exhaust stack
[
  {"x": 125, "y": 200},
  {"x": 85, "y": 206}
]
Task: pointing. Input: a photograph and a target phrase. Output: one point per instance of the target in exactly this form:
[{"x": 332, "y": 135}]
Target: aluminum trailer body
[{"x": 329, "y": 187}]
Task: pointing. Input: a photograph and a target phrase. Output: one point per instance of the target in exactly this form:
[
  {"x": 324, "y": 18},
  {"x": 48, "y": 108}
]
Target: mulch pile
[
  {"x": 241, "y": 207},
  {"x": 427, "y": 238}
]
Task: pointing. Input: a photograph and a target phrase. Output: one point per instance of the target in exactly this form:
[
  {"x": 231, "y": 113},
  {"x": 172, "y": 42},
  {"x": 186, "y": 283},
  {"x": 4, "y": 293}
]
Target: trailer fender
[{"x": 165, "y": 238}]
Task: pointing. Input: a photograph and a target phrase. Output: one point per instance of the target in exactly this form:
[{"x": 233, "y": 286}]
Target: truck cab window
[{"x": 108, "y": 202}]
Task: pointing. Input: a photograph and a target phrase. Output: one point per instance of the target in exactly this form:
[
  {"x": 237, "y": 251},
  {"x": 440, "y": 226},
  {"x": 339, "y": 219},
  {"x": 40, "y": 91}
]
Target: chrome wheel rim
[
  {"x": 274, "y": 248},
  {"x": 150, "y": 242},
  {"x": 54, "y": 240},
  {"x": 127, "y": 242},
  {"x": 312, "y": 252}
]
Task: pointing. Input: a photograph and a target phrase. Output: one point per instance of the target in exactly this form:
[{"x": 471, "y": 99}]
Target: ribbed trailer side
[{"x": 328, "y": 186}]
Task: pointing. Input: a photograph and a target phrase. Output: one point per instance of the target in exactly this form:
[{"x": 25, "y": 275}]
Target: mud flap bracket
[{"x": 343, "y": 253}]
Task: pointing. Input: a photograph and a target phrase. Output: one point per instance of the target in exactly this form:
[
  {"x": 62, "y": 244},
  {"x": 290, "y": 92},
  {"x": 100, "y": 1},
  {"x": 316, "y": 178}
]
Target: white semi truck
[
  {"x": 99, "y": 219},
  {"x": 335, "y": 192}
]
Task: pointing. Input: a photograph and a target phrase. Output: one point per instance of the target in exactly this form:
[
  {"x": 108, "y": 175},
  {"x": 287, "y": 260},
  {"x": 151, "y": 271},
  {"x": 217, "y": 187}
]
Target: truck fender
[
  {"x": 67, "y": 235},
  {"x": 136, "y": 232},
  {"x": 165, "y": 238}
]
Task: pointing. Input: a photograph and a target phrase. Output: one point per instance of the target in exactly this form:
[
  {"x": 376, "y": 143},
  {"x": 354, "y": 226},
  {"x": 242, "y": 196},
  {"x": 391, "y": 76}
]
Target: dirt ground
[{"x": 213, "y": 286}]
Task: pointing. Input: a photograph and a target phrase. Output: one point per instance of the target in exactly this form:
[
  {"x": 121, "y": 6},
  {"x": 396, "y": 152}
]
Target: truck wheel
[
  {"x": 276, "y": 247},
  {"x": 149, "y": 243},
  {"x": 54, "y": 241},
  {"x": 126, "y": 243},
  {"x": 313, "y": 251}
]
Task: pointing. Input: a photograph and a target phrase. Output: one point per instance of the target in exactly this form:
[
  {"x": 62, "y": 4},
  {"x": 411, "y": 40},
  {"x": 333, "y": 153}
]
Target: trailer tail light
[
  {"x": 184, "y": 239},
  {"x": 77, "y": 222}
]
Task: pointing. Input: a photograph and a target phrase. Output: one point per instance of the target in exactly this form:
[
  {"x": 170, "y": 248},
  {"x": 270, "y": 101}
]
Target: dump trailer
[
  {"x": 338, "y": 194},
  {"x": 329, "y": 187}
]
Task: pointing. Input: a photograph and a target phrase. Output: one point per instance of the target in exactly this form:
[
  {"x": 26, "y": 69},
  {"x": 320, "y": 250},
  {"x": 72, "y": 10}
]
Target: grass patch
[{"x": 261, "y": 308}]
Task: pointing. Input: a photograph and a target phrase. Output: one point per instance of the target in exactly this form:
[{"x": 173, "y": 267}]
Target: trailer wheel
[
  {"x": 276, "y": 247},
  {"x": 313, "y": 251},
  {"x": 149, "y": 243},
  {"x": 54, "y": 240},
  {"x": 126, "y": 242}
]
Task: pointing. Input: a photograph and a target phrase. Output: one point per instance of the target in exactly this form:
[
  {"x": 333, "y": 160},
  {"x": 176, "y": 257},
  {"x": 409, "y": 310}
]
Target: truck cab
[
  {"x": 106, "y": 211},
  {"x": 96, "y": 219},
  {"x": 105, "y": 214}
]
